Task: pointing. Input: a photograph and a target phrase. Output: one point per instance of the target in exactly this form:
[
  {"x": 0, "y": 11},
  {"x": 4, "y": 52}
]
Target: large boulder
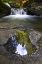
[
  {"x": 33, "y": 8},
  {"x": 4, "y": 9}
]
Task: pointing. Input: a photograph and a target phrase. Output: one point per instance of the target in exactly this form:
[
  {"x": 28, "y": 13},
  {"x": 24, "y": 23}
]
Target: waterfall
[{"x": 18, "y": 11}]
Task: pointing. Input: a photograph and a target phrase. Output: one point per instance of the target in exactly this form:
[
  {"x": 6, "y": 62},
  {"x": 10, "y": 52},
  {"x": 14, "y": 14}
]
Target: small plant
[{"x": 22, "y": 37}]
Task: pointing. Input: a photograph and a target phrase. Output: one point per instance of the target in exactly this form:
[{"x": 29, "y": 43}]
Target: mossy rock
[
  {"x": 4, "y": 9},
  {"x": 22, "y": 37}
]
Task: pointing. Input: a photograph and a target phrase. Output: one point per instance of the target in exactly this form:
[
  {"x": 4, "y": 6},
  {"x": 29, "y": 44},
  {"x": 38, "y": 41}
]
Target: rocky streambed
[
  {"x": 8, "y": 29},
  {"x": 6, "y": 57}
]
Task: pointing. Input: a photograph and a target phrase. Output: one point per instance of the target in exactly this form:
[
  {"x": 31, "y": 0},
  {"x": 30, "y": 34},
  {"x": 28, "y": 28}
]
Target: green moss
[{"x": 22, "y": 37}]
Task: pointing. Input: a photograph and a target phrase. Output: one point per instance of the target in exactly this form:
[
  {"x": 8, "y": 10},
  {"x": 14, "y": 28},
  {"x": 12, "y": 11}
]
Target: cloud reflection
[{"x": 21, "y": 50}]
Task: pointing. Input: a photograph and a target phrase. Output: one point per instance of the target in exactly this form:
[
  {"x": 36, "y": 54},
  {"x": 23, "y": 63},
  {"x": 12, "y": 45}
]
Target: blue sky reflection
[
  {"x": 13, "y": 47},
  {"x": 19, "y": 48}
]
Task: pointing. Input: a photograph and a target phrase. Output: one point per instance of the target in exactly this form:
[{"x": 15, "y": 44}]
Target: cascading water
[{"x": 18, "y": 11}]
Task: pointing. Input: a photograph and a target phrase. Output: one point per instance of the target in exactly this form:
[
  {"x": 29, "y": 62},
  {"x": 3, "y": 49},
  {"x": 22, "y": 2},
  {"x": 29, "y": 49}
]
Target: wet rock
[
  {"x": 10, "y": 46},
  {"x": 13, "y": 5},
  {"x": 4, "y": 9},
  {"x": 35, "y": 37},
  {"x": 33, "y": 12},
  {"x": 22, "y": 40},
  {"x": 7, "y": 58}
]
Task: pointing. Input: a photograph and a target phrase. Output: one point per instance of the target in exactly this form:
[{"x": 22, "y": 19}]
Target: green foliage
[
  {"x": 22, "y": 3},
  {"x": 22, "y": 37},
  {"x": 38, "y": 0}
]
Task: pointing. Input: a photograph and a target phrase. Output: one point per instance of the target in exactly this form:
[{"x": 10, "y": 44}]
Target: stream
[{"x": 19, "y": 20}]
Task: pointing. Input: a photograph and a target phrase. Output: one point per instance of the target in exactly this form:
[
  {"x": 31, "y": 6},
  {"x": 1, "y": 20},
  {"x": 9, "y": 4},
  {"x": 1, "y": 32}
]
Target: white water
[{"x": 18, "y": 11}]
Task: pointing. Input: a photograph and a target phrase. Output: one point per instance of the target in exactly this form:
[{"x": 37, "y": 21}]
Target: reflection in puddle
[
  {"x": 20, "y": 44},
  {"x": 13, "y": 47},
  {"x": 21, "y": 50},
  {"x": 10, "y": 45},
  {"x": 22, "y": 37}
]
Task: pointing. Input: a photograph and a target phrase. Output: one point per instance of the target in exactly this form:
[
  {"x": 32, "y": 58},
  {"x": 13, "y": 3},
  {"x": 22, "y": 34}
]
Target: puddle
[
  {"x": 20, "y": 44},
  {"x": 10, "y": 45},
  {"x": 22, "y": 37},
  {"x": 13, "y": 47}
]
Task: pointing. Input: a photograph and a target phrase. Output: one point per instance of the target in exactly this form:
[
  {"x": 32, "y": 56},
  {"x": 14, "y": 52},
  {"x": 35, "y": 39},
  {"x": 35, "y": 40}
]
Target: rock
[
  {"x": 13, "y": 5},
  {"x": 33, "y": 12},
  {"x": 35, "y": 37},
  {"x": 4, "y": 9},
  {"x": 37, "y": 47}
]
